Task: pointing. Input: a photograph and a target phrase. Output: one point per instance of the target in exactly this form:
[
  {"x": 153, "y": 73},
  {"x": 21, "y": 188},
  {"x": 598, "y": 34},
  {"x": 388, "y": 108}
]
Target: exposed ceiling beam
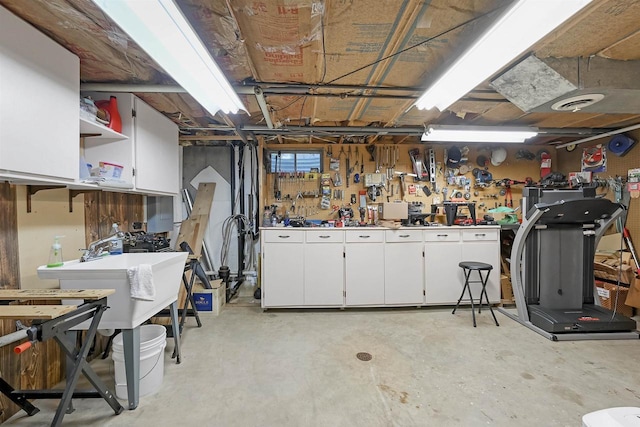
[{"x": 210, "y": 138}]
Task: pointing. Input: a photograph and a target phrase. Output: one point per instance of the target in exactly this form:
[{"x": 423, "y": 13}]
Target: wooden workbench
[{"x": 45, "y": 312}]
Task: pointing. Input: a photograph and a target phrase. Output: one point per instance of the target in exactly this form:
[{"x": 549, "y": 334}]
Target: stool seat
[
  {"x": 467, "y": 268},
  {"x": 474, "y": 265}
]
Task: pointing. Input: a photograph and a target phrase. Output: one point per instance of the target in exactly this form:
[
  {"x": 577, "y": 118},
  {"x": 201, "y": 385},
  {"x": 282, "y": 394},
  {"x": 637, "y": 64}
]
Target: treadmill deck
[{"x": 589, "y": 318}]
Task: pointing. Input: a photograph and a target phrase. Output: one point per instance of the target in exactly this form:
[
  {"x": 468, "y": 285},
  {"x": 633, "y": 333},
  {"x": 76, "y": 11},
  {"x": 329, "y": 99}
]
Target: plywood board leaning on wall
[
  {"x": 192, "y": 232},
  {"x": 517, "y": 166}
]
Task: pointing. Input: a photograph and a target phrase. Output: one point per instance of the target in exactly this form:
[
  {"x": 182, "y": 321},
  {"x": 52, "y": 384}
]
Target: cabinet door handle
[
  {"x": 404, "y": 236},
  {"x": 442, "y": 235},
  {"x": 364, "y": 237},
  {"x": 283, "y": 236},
  {"x": 324, "y": 237},
  {"x": 480, "y": 234}
]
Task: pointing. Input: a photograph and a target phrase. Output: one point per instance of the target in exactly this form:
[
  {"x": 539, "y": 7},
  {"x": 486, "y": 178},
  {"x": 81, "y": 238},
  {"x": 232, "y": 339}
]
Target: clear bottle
[
  {"x": 55, "y": 254},
  {"x": 116, "y": 246}
]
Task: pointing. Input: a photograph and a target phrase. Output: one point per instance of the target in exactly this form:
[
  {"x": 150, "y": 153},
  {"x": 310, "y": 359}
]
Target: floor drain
[{"x": 365, "y": 357}]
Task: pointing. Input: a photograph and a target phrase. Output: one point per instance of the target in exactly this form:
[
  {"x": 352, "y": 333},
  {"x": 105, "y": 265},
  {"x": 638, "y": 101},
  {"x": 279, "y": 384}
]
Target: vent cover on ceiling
[{"x": 577, "y": 103}]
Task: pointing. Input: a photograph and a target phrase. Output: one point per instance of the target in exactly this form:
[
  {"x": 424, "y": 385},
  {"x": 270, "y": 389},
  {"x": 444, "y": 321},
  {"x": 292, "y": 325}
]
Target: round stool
[{"x": 467, "y": 268}]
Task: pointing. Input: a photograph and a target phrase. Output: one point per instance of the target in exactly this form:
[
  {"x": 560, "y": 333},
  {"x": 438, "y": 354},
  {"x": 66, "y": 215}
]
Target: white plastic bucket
[{"x": 153, "y": 339}]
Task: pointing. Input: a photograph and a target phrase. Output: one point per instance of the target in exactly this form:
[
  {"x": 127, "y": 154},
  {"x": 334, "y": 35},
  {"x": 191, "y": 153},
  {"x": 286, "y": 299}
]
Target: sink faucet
[{"x": 97, "y": 248}]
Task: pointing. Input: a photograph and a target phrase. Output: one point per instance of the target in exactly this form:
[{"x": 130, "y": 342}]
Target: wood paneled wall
[{"x": 42, "y": 366}]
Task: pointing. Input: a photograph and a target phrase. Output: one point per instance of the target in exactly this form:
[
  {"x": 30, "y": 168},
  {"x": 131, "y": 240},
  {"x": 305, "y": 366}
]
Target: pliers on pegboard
[{"x": 508, "y": 199}]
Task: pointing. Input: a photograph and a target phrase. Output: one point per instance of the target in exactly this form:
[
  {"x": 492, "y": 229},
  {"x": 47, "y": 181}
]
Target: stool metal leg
[
  {"x": 466, "y": 287},
  {"x": 473, "y": 309},
  {"x": 482, "y": 281},
  {"x": 466, "y": 283},
  {"x": 486, "y": 296}
]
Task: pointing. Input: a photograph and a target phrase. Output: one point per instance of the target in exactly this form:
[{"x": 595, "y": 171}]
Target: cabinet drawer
[
  {"x": 283, "y": 236},
  {"x": 403, "y": 235},
  {"x": 441, "y": 235},
  {"x": 325, "y": 236},
  {"x": 479, "y": 235},
  {"x": 365, "y": 236}
]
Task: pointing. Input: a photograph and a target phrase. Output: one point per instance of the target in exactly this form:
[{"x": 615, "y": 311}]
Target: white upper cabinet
[
  {"x": 156, "y": 151},
  {"x": 39, "y": 87},
  {"x": 150, "y": 153}
]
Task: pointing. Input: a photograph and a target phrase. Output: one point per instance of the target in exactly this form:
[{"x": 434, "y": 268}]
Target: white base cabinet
[
  {"x": 445, "y": 249},
  {"x": 323, "y": 269},
  {"x": 282, "y": 269},
  {"x": 403, "y": 267},
  {"x": 478, "y": 245},
  {"x": 374, "y": 267},
  {"x": 364, "y": 267}
]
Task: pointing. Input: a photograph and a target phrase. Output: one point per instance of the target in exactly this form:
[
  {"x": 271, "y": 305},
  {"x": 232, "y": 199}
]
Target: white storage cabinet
[
  {"x": 483, "y": 245},
  {"x": 39, "y": 105},
  {"x": 282, "y": 268},
  {"x": 364, "y": 267},
  {"x": 324, "y": 268},
  {"x": 403, "y": 267},
  {"x": 150, "y": 152}
]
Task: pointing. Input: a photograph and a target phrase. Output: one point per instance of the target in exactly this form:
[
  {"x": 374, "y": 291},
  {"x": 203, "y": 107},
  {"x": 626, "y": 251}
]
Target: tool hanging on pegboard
[
  {"x": 419, "y": 167},
  {"x": 432, "y": 169}
]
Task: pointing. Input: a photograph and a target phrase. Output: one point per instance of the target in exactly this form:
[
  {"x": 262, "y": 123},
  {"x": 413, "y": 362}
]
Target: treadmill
[{"x": 552, "y": 266}]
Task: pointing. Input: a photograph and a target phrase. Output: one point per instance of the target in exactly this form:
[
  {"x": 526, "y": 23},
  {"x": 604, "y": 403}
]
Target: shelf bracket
[
  {"x": 33, "y": 189},
  {"x": 74, "y": 193}
]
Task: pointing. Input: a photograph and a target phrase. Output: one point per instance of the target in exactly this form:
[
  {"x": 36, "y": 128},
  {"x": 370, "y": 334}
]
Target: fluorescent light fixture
[
  {"x": 160, "y": 28},
  {"x": 522, "y": 25},
  {"x": 442, "y": 133}
]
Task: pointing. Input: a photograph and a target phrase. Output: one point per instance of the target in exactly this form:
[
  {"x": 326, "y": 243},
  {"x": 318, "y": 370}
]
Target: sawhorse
[{"x": 53, "y": 321}]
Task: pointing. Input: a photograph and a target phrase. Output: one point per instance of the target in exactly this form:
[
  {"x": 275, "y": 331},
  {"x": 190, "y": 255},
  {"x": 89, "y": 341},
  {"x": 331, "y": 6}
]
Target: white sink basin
[{"x": 110, "y": 272}]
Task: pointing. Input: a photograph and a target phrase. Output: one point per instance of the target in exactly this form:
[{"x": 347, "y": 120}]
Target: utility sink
[{"x": 110, "y": 272}]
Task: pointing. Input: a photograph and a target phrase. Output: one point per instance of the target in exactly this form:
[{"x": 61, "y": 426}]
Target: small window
[{"x": 295, "y": 161}]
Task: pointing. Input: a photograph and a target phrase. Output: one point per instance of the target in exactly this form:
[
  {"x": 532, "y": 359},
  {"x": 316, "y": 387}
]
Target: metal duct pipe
[
  {"x": 602, "y": 135},
  {"x": 124, "y": 87},
  {"x": 263, "y": 106}
]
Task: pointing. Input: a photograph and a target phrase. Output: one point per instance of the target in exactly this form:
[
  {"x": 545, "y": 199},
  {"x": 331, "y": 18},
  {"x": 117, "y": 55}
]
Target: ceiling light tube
[
  {"x": 160, "y": 28},
  {"x": 442, "y": 133},
  {"x": 522, "y": 25}
]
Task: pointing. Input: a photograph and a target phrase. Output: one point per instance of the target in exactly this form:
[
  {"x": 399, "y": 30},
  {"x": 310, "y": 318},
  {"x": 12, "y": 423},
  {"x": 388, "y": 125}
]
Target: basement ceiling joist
[{"x": 343, "y": 64}]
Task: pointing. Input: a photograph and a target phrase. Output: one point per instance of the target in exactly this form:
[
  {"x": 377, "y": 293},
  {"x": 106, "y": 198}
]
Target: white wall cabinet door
[
  {"x": 324, "y": 269},
  {"x": 283, "y": 272},
  {"x": 364, "y": 267},
  {"x": 39, "y": 104},
  {"x": 483, "y": 246},
  {"x": 403, "y": 267},
  {"x": 156, "y": 151}
]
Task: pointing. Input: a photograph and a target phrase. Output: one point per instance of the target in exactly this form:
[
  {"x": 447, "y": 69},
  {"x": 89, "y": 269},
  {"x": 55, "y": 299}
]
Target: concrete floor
[{"x": 429, "y": 368}]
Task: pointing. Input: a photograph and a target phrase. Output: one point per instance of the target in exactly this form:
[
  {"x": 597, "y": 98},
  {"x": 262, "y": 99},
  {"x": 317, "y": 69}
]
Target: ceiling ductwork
[{"x": 592, "y": 85}]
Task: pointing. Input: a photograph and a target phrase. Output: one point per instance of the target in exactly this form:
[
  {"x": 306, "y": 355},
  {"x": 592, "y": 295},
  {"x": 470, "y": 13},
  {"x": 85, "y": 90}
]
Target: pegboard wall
[
  {"x": 394, "y": 160},
  {"x": 571, "y": 161}
]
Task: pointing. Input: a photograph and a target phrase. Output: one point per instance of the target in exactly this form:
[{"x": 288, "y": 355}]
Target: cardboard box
[
  {"x": 614, "y": 297},
  {"x": 210, "y": 300},
  {"x": 612, "y": 273},
  {"x": 633, "y": 297},
  {"x": 395, "y": 210}
]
